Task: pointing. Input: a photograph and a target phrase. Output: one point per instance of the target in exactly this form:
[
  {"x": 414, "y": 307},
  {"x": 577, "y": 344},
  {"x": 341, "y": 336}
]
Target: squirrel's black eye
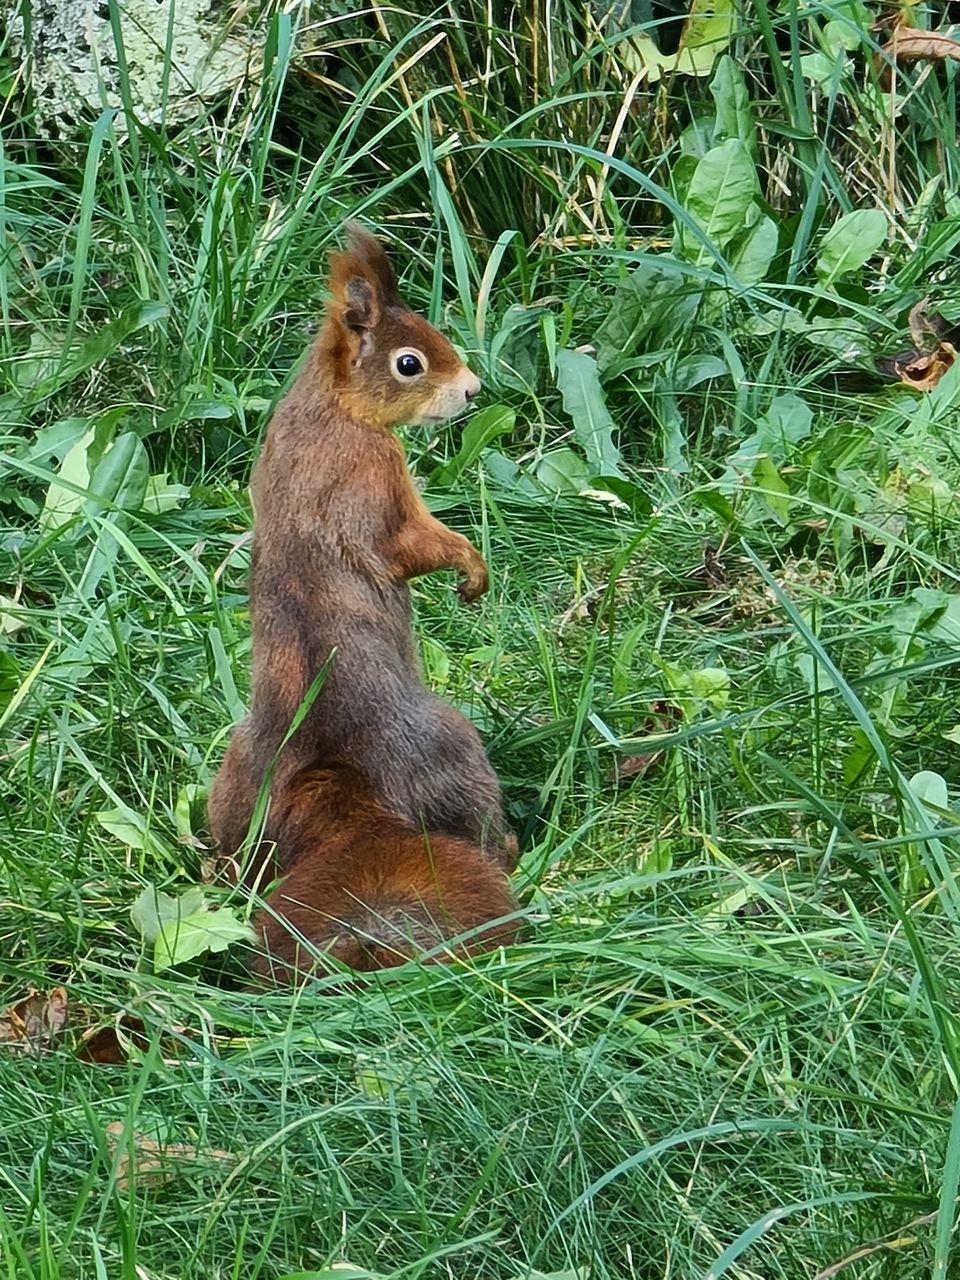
[{"x": 408, "y": 366}]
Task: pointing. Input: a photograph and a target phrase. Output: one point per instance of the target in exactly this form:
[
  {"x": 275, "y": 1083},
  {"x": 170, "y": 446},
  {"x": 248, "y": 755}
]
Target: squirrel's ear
[
  {"x": 372, "y": 253},
  {"x": 361, "y": 307}
]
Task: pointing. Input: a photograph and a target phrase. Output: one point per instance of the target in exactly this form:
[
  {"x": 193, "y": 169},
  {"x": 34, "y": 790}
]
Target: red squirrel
[{"x": 339, "y": 528}]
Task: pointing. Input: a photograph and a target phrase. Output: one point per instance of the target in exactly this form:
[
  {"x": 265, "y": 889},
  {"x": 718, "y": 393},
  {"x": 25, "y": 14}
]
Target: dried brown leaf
[
  {"x": 662, "y": 719},
  {"x": 109, "y": 1046},
  {"x": 923, "y": 372},
  {"x": 923, "y": 326},
  {"x": 33, "y": 1023},
  {"x": 155, "y": 1162},
  {"x": 910, "y": 44}
]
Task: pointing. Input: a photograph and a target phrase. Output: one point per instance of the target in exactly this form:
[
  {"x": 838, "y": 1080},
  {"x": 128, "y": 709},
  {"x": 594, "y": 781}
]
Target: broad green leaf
[
  {"x": 515, "y": 347},
  {"x": 130, "y": 828},
  {"x": 120, "y": 484},
  {"x": 436, "y": 662},
  {"x": 62, "y": 503},
  {"x": 338, "y": 1271},
  {"x": 673, "y": 430},
  {"x": 579, "y": 385},
  {"x": 720, "y": 196},
  {"x": 56, "y": 440},
  {"x": 707, "y": 32},
  {"x": 640, "y": 55},
  {"x": 194, "y": 935},
  {"x": 843, "y": 336},
  {"x": 189, "y": 799},
  {"x": 9, "y": 678},
  {"x": 563, "y": 471},
  {"x": 823, "y": 68},
  {"x": 505, "y": 474},
  {"x": 120, "y": 479},
  {"x": 776, "y": 493},
  {"x": 578, "y": 1273},
  {"x": 11, "y": 616},
  {"x": 698, "y": 688},
  {"x": 788, "y": 418},
  {"x": 692, "y": 370},
  {"x": 946, "y": 625},
  {"x": 787, "y": 421},
  {"x": 48, "y": 368},
  {"x": 930, "y": 788},
  {"x": 154, "y": 910},
  {"x": 161, "y": 496},
  {"x": 496, "y": 420},
  {"x": 734, "y": 116},
  {"x": 851, "y": 241},
  {"x": 751, "y": 255},
  {"x": 183, "y": 928}
]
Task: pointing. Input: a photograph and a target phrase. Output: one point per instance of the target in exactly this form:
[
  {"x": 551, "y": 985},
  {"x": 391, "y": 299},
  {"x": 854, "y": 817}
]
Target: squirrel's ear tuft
[
  {"x": 356, "y": 300},
  {"x": 361, "y": 309},
  {"x": 371, "y": 252}
]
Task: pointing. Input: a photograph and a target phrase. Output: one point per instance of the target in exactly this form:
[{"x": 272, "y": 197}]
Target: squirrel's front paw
[{"x": 475, "y": 581}]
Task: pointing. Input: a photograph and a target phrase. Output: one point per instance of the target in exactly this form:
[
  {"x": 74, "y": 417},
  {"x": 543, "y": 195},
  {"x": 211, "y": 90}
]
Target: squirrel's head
[{"x": 388, "y": 365}]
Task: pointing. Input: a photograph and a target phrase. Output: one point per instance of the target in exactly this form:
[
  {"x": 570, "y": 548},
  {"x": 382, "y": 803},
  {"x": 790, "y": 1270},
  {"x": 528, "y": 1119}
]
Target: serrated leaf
[
  {"x": 182, "y": 928},
  {"x": 196, "y": 934},
  {"x": 657, "y": 301},
  {"x": 154, "y": 910},
  {"x": 851, "y": 241},
  {"x": 579, "y": 383}
]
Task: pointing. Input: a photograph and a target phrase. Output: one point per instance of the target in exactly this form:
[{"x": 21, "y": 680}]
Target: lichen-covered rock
[{"x": 75, "y": 69}]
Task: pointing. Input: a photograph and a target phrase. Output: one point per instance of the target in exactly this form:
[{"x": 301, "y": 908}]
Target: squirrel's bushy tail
[{"x": 366, "y": 889}]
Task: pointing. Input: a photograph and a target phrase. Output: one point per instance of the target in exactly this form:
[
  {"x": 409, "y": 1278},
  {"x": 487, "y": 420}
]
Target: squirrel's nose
[{"x": 473, "y": 390}]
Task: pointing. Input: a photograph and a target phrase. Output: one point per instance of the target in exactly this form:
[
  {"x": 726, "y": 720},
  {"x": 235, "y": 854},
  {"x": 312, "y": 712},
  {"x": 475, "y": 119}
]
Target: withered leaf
[
  {"x": 663, "y": 717},
  {"x": 33, "y": 1023},
  {"x": 154, "y": 1162},
  {"x": 923, "y": 372},
  {"x": 106, "y": 1045},
  {"x": 911, "y": 44}
]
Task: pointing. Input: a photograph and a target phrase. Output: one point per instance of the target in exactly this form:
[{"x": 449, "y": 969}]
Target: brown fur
[
  {"x": 339, "y": 529},
  {"x": 367, "y": 890}
]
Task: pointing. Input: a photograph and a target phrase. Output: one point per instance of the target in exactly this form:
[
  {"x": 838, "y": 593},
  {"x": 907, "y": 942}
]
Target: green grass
[{"x": 728, "y": 1045}]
